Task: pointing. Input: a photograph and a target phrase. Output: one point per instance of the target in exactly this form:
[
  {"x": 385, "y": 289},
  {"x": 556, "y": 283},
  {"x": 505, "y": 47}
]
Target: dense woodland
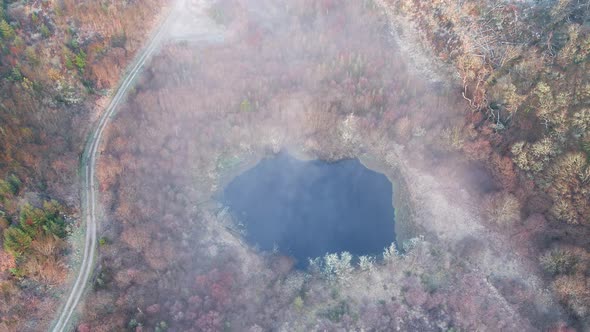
[
  {"x": 510, "y": 126},
  {"x": 59, "y": 60},
  {"x": 325, "y": 78},
  {"x": 524, "y": 71}
]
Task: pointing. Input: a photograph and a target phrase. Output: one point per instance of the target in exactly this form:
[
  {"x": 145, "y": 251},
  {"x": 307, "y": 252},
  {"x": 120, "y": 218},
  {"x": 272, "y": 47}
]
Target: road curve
[{"x": 88, "y": 166}]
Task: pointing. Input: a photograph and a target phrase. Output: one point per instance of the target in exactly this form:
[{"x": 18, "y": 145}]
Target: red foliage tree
[
  {"x": 212, "y": 321},
  {"x": 216, "y": 285}
]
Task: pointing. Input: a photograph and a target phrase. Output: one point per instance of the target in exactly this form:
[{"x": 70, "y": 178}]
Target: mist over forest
[{"x": 124, "y": 124}]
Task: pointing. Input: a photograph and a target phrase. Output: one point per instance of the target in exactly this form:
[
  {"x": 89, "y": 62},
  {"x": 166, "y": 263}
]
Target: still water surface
[{"x": 310, "y": 208}]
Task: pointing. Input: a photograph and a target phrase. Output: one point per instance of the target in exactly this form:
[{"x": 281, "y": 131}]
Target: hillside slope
[
  {"x": 58, "y": 62},
  {"x": 523, "y": 68}
]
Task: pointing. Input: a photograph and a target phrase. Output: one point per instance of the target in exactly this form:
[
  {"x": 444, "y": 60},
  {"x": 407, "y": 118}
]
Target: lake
[{"x": 306, "y": 209}]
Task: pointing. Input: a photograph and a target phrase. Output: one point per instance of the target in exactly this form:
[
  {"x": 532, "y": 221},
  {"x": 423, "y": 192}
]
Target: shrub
[
  {"x": 32, "y": 56},
  {"x": 412, "y": 243},
  {"x": 48, "y": 269},
  {"x": 5, "y": 190},
  {"x": 503, "y": 209},
  {"x": 6, "y": 30},
  {"x": 452, "y": 138},
  {"x": 581, "y": 122},
  {"x": 133, "y": 323},
  {"x": 558, "y": 261},
  {"x": 80, "y": 61},
  {"x": 366, "y": 263},
  {"x": 3, "y": 222},
  {"x": 14, "y": 183},
  {"x": 338, "y": 267},
  {"x": 16, "y": 74},
  {"x": 43, "y": 221},
  {"x": 333, "y": 267},
  {"x": 44, "y": 30},
  {"x": 217, "y": 15},
  {"x": 161, "y": 327},
  {"x": 575, "y": 293},
  {"x": 504, "y": 93},
  {"x": 570, "y": 187},
  {"x": 16, "y": 241},
  {"x": 298, "y": 303},
  {"x": 119, "y": 40},
  {"x": 245, "y": 106},
  {"x": 390, "y": 253},
  {"x": 433, "y": 281},
  {"x": 586, "y": 148},
  {"x": 534, "y": 157},
  {"x": 34, "y": 224},
  {"x": 69, "y": 63},
  {"x": 336, "y": 312}
]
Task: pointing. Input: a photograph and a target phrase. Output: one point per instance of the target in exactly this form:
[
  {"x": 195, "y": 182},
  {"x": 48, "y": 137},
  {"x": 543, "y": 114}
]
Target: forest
[
  {"x": 477, "y": 111},
  {"x": 524, "y": 72},
  {"x": 59, "y": 61}
]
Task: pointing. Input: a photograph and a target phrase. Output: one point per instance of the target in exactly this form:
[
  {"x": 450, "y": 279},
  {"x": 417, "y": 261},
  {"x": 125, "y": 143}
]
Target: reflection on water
[{"x": 310, "y": 208}]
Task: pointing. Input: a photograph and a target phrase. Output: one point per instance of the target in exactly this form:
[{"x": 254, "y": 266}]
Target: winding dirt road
[
  {"x": 188, "y": 20},
  {"x": 88, "y": 166}
]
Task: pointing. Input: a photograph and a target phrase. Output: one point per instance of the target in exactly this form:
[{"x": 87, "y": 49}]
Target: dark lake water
[{"x": 310, "y": 208}]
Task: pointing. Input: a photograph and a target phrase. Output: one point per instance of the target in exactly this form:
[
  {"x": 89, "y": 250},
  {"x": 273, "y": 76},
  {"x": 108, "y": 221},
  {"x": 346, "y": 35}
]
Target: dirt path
[
  {"x": 187, "y": 20},
  {"x": 88, "y": 166}
]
